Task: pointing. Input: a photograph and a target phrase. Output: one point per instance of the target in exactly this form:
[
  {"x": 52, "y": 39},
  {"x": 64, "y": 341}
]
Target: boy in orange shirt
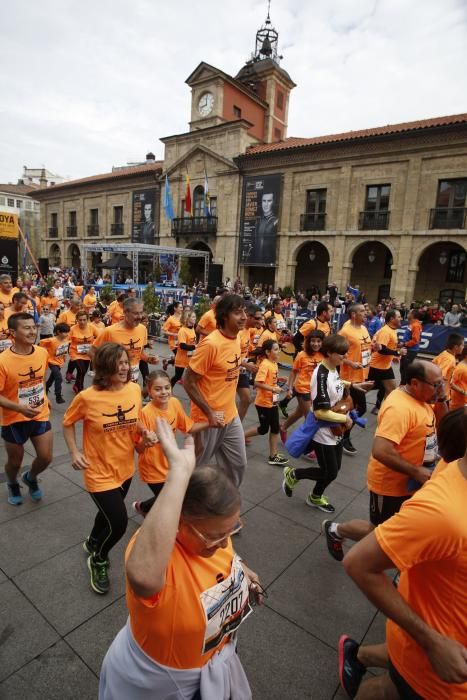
[
  {"x": 57, "y": 347},
  {"x": 459, "y": 383},
  {"x": 267, "y": 398},
  {"x": 447, "y": 359}
]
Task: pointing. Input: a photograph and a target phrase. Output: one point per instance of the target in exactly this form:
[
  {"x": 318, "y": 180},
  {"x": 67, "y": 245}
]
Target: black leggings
[
  {"x": 329, "y": 462},
  {"x": 359, "y": 402},
  {"x": 81, "y": 369},
  {"x": 111, "y": 520},
  {"x": 156, "y": 489},
  {"x": 177, "y": 376}
]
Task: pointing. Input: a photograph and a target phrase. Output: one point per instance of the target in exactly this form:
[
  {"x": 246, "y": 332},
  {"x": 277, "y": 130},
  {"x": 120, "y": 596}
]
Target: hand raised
[{"x": 180, "y": 460}]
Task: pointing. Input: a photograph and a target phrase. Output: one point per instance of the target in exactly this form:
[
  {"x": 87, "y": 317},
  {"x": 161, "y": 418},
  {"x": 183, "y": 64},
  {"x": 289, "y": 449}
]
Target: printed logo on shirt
[
  {"x": 31, "y": 390},
  {"x": 233, "y": 372},
  {"x": 122, "y": 423},
  {"x": 132, "y": 345}
]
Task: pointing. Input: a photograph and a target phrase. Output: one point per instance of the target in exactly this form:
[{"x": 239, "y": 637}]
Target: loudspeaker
[{"x": 43, "y": 266}]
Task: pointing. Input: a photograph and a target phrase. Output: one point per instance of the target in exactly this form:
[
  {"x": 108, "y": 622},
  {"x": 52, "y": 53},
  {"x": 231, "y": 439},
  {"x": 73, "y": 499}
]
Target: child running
[
  {"x": 152, "y": 463},
  {"x": 267, "y": 397},
  {"x": 57, "y": 347},
  {"x": 186, "y": 343},
  {"x": 82, "y": 336},
  {"x": 300, "y": 378}
]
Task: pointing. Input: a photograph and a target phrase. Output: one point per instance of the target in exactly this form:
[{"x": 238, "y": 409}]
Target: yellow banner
[{"x": 8, "y": 225}]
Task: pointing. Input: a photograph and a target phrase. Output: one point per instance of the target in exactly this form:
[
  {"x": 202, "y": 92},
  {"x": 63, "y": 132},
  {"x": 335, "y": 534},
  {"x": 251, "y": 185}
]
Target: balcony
[
  {"x": 373, "y": 220},
  {"x": 93, "y": 229},
  {"x": 116, "y": 229},
  {"x": 53, "y": 232},
  {"x": 194, "y": 225},
  {"x": 72, "y": 231},
  {"x": 448, "y": 217},
  {"x": 313, "y": 222}
]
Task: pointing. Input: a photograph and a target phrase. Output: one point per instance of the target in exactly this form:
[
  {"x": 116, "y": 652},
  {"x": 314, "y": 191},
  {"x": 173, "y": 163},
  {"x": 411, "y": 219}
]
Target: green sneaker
[
  {"x": 289, "y": 481},
  {"x": 90, "y": 545},
  {"x": 283, "y": 410},
  {"x": 320, "y": 502},
  {"x": 98, "y": 568}
]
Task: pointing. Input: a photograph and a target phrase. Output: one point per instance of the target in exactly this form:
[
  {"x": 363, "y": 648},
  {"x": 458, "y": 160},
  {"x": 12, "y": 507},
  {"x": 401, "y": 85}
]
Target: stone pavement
[{"x": 54, "y": 631}]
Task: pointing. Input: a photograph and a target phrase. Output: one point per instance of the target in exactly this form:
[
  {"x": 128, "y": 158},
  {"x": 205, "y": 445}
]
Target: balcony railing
[
  {"x": 194, "y": 225},
  {"x": 72, "y": 231},
  {"x": 53, "y": 232},
  {"x": 116, "y": 229},
  {"x": 448, "y": 217},
  {"x": 93, "y": 229},
  {"x": 313, "y": 222},
  {"x": 373, "y": 220}
]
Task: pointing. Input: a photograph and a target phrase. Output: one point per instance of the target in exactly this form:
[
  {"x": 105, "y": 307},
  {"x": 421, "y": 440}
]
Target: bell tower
[{"x": 263, "y": 75}]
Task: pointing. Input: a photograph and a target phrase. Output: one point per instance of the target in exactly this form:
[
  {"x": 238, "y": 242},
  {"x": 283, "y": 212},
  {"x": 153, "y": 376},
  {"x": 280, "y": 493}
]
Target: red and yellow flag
[{"x": 188, "y": 197}]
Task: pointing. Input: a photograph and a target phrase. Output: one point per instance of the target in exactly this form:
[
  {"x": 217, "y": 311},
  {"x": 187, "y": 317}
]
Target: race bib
[
  {"x": 83, "y": 349},
  {"x": 226, "y": 605},
  {"x": 366, "y": 356},
  {"x": 189, "y": 353},
  {"x": 134, "y": 373},
  {"x": 275, "y": 398},
  {"x": 61, "y": 350},
  {"x": 5, "y": 344},
  {"x": 31, "y": 394},
  {"x": 431, "y": 449},
  {"x": 281, "y": 325}
]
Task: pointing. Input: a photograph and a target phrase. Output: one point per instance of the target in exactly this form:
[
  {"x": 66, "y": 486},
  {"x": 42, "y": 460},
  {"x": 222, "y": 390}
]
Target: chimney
[
  {"x": 43, "y": 179},
  {"x": 150, "y": 157}
]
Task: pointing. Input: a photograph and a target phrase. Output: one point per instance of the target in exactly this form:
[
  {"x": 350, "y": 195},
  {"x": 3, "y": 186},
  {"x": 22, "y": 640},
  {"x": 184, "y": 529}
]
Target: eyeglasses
[
  {"x": 208, "y": 542},
  {"x": 436, "y": 385}
]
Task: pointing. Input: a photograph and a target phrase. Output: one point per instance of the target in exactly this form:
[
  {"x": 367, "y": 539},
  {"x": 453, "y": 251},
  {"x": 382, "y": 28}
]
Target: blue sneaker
[
  {"x": 34, "y": 491},
  {"x": 14, "y": 494}
]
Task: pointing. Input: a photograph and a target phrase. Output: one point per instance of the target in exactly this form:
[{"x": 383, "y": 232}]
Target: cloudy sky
[{"x": 87, "y": 84}]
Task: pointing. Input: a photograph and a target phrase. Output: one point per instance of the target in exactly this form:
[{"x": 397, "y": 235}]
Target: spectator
[{"x": 453, "y": 317}]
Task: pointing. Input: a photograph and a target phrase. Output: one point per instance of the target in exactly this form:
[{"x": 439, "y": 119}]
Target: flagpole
[{"x": 26, "y": 245}]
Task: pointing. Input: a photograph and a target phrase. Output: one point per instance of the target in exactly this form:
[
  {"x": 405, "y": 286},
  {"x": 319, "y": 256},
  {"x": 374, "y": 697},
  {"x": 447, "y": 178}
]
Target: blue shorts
[{"x": 19, "y": 433}]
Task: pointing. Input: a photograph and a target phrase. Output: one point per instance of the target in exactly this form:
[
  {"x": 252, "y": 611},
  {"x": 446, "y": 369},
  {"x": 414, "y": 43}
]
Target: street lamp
[
  {"x": 443, "y": 257},
  {"x": 371, "y": 256},
  {"x": 312, "y": 255}
]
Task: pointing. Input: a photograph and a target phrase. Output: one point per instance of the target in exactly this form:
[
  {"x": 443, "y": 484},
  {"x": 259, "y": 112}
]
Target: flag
[
  {"x": 355, "y": 292},
  {"x": 188, "y": 196},
  {"x": 207, "y": 198},
  {"x": 168, "y": 204}
]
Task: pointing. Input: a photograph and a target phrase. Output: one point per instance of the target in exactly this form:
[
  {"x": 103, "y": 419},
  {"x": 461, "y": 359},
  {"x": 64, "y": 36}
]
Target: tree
[{"x": 185, "y": 273}]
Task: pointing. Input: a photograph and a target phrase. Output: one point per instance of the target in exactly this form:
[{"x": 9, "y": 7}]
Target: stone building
[{"x": 20, "y": 199}]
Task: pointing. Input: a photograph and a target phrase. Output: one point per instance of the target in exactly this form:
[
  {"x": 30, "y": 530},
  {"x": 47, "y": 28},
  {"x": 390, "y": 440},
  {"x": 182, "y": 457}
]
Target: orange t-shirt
[
  {"x": 5, "y": 340},
  {"x": 187, "y": 336},
  {"x": 56, "y": 349},
  {"x": 385, "y": 336},
  {"x": 266, "y": 374},
  {"x": 305, "y": 365},
  {"x": 115, "y": 311},
  {"x": 410, "y": 425},
  {"x": 267, "y": 334},
  {"x": 255, "y": 334},
  {"x": 133, "y": 340},
  {"x": 208, "y": 321},
  {"x": 172, "y": 325},
  {"x": 99, "y": 326},
  {"x": 244, "y": 337},
  {"x": 446, "y": 361},
  {"x": 6, "y": 299},
  {"x": 22, "y": 380},
  {"x": 78, "y": 290},
  {"x": 427, "y": 542},
  {"x": 81, "y": 341},
  {"x": 314, "y": 324},
  {"x": 217, "y": 361},
  {"x": 459, "y": 378},
  {"x": 152, "y": 463},
  {"x": 51, "y": 302},
  {"x": 68, "y": 317},
  {"x": 109, "y": 420},
  {"x": 359, "y": 351},
  {"x": 194, "y": 615},
  {"x": 11, "y": 310},
  {"x": 89, "y": 301}
]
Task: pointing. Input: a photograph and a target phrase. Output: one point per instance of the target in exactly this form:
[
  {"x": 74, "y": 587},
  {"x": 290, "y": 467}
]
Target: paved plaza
[{"x": 54, "y": 631}]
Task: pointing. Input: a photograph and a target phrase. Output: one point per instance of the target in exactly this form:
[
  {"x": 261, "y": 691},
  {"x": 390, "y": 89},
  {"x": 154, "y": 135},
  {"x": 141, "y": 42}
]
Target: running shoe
[
  {"x": 98, "y": 569},
  {"x": 89, "y": 545},
  {"x": 278, "y": 460},
  {"x": 165, "y": 364},
  {"x": 59, "y": 399},
  {"x": 333, "y": 542},
  {"x": 91, "y": 373},
  {"x": 374, "y": 411},
  {"x": 351, "y": 670},
  {"x": 136, "y": 505},
  {"x": 348, "y": 448},
  {"x": 34, "y": 491},
  {"x": 75, "y": 389},
  {"x": 284, "y": 411},
  {"x": 311, "y": 456},
  {"x": 320, "y": 502},
  {"x": 14, "y": 494},
  {"x": 283, "y": 434},
  {"x": 289, "y": 481},
  {"x": 69, "y": 377}
]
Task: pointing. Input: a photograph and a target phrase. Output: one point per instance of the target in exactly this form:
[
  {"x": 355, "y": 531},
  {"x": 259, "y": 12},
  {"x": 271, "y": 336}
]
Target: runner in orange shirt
[
  {"x": 207, "y": 322},
  {"x": 171, "y": 328},
  {"x": 50, "y": 300},
  {"x": 270, "y": 332},
  {"x": 115, "y": 311},
  {"x": 267, "y": 397},
  {"x": 447, "y": 359},
  {"x": 25, "y": 414},
  {"x": 426, "y": 632},
  {"x": 211, "y": 381},
  {"x": 5, "y": 340},
  {"x": 82, "y": 336},
  {"x": 90, "y": 300},
  {"x": 253, "y": 316},
  {"x": 69, "y": 316},
  {"x": 109, "y": 411},
  {"x": 57, "y": 347},
  {"x": 152, "y": 464},
  {"x": 181, "y": 567},
  {"x": 459, "y": 383},
  {"x": 6, "y": 290},
  {"x": 322, "y": 322},
  {"x": 411, "y": 342},
  {"x": 186, "y": 343},
  {"x": 19, "y": 304},
  {"x": 96, "y": 320},
  {"x": 386, "y": 344},
  {"x": 355, "y": 365}
]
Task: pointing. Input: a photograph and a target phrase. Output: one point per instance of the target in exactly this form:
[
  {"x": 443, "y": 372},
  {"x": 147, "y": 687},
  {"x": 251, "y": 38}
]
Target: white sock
[{"x": 334, "y": 531}]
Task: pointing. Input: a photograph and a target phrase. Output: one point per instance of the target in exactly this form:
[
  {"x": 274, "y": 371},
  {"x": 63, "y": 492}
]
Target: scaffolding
[{"x": 142, "y": 250}]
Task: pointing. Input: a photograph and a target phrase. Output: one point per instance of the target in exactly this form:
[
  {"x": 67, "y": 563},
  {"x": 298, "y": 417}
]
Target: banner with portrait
[
  {"x": 169, "y": 265},
  {"x": 260, "y": 219},
  {"x": 144, "y": 216}
]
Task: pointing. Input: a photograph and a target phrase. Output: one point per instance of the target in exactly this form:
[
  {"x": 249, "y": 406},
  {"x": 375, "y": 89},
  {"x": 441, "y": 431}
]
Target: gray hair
[
  {"x": 210, "y": 493},
  {"x": 130, "y": 302}
]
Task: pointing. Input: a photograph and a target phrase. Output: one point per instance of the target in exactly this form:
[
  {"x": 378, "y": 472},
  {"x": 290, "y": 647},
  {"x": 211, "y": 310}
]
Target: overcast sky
[{"x": 87, "y": 84}]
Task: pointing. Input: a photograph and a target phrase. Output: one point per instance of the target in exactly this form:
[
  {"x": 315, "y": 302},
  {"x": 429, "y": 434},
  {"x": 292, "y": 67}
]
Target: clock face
[{"x": 205, "y": 104}]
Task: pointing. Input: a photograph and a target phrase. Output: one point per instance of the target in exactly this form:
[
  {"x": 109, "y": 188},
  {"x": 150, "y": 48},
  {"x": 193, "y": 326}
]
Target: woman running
[
  {"x": 171, "y": 328},
  {"x": 187, "y": 591},
  {"x": 82, "y": 336},
  {"x": 109, "y": 410},
  {"x": 186, "y": 343}
]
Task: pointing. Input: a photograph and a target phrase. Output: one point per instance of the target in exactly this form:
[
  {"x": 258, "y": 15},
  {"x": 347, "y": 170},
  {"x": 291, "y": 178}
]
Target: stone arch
[
  {"x": 196, "y": 265},
  {"x": 371, "y": 269},
  {"x": 73, "y": 257},
  {"x": 312, "y": 268},
  {"x": 442, "y": 271},
  {"x": 55, "y": 255}
]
